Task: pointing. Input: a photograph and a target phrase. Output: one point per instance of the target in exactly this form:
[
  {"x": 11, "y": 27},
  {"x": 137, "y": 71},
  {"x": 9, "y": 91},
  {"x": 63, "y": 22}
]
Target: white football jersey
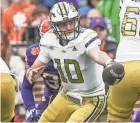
[
  {"x": 79, "y": 74},
  {"x": 129, "y": 46}
]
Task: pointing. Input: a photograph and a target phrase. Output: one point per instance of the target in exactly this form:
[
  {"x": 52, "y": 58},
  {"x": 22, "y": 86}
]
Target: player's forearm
[
  {"x": 99, "y": 56},
  {"x": 103, "y": 58},
  {"x": 35, "y": 65},
  {"x": 38, "y": 63}
]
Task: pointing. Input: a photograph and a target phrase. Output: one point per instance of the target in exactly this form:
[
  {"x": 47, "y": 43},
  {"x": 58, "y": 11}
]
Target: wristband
[{"x": 108, "y": 61}]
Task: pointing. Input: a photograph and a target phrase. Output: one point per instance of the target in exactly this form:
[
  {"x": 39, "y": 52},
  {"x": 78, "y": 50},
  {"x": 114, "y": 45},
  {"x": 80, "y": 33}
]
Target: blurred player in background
[
  {"x": 123, "y": 96},
  {"x": 50, "y": 79},
  {"x": 76, "y": 53},
  {"x": 8, "y": 92}
]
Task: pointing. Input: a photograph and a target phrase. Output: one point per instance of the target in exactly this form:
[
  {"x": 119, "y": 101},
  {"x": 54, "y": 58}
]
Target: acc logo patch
[{"x": 44, "y": 26}]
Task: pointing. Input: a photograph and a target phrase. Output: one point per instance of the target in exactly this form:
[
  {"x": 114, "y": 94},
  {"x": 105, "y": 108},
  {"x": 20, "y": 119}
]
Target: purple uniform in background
[
  {"x": 136, "y": 117},
  {"x": 51, "y": 81}
]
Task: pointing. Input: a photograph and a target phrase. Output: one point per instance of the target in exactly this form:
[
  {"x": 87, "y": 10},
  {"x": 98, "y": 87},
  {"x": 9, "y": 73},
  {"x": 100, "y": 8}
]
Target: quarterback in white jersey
[
  {"x": 77, "y": 69},
  {"x": 122, "y": 97},
  {"x": 77, "y": 56}
]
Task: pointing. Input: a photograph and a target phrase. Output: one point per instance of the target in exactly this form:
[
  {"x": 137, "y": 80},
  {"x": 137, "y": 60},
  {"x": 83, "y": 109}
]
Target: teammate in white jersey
[
  {"x": 77, "y": 56},
  {"x": 129, "y": 46},
  {"x": 123, "y": 96}
]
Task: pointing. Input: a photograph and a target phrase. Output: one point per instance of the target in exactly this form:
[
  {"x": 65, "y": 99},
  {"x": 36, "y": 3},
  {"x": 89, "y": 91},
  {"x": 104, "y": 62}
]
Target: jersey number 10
[
  {"x": 133, "y": 21},
  {"x": 77, "y": 72}
]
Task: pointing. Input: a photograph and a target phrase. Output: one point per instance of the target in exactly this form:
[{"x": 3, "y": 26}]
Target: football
[{"x": 113, "y": 73}]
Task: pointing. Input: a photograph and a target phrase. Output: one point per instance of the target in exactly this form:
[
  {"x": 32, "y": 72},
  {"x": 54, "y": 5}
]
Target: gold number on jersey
[
  {"x": 57, "y": 61},
  {"x": 67, "y": 63},
  {"x": 127, "y": 20}
]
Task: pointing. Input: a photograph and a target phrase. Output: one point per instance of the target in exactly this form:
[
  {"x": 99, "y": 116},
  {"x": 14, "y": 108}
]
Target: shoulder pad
[
  {"x": 48, "y": 38},
  {"x": 90, "y": 36},
  {"x": 89, "y": 33}
]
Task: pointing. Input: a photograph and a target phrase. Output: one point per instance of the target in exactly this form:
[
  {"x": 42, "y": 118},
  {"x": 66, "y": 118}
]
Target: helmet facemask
[{"x": 64, "y": 36}]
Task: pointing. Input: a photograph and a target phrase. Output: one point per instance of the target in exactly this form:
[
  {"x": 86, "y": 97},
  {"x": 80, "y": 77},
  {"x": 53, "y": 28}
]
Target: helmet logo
[{"x": 72, "y": 7}]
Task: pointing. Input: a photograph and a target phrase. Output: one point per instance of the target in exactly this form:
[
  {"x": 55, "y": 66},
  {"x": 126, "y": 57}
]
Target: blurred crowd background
[{"x": 20, "y": 22}]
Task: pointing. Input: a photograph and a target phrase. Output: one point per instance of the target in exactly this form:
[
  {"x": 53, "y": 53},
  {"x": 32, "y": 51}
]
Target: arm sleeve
[{"x": 27, "y": 94}]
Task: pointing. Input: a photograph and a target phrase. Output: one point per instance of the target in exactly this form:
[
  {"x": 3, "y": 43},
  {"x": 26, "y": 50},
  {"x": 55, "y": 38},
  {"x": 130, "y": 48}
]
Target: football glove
[{"x": 34, "y": 115}]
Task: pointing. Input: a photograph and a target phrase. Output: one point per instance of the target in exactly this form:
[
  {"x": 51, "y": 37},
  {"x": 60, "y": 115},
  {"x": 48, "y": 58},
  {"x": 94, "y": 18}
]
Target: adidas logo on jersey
[
  {"x": 74, "y": 49},
  {"x": 63, "y": 51},
  {"x": 51, "y": 48}
]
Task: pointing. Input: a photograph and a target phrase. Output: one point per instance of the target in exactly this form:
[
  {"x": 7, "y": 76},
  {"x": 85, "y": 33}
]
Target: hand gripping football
[{"x": 113, "y": 73}]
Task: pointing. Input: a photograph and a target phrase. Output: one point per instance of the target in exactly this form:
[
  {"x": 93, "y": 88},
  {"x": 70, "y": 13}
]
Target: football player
[
  {"x": 123, "y": 96},
  {"x": 76, "y": 53},
  {"x": 51, "y": 80},
  {"x": 8, "y": 91}
]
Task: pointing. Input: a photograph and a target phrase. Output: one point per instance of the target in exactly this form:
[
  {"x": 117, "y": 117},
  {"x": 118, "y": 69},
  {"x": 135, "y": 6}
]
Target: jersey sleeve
[
  {"x": 44, "y": 51},
  {"x": 91, "y": 40}
]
